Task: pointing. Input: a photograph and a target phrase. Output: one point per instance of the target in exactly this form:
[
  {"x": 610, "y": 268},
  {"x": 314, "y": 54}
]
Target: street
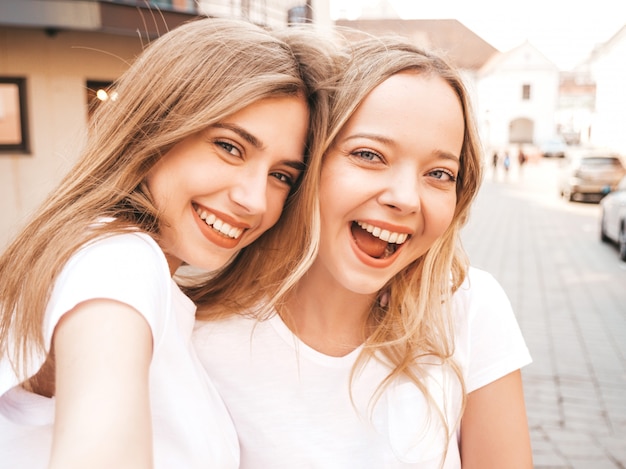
[{"x": 569, "y": 293}]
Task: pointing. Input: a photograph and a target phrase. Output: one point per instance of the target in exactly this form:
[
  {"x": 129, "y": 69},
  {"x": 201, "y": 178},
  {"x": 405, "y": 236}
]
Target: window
[
  {"x": 97, "y": 93},
  {"x": 526, "y": 92},
  {"x": 169, "y": 5},
  {"x": 13, "y": 121},
  {"x": 299, "y": 14}
]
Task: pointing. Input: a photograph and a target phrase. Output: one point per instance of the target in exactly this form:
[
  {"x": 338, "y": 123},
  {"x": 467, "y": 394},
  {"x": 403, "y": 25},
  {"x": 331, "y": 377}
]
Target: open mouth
[
  {"x": 219, "y": 226},
  {"x": 375, "y": 241}
]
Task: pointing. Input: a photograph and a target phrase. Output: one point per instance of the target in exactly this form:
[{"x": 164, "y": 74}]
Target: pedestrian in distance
[
  {"x": 391, "y": 351},
  {"x": 521, "y": 157},
  {"x": 191, "y": 165},
  {"x": 506, "y": 163}
]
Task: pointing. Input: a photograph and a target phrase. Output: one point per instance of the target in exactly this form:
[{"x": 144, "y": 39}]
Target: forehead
[
  {"x": 411, "y": 89},
  {"x": 412, "y": 108}
]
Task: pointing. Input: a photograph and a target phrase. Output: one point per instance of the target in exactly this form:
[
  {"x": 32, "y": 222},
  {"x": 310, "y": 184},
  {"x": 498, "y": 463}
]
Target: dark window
[
  {"x": 13, "y": 118},
  {"x": 97, "y": 93},
  {"x": 300, "y": 14},
  {"x": 525, "y": 92},
  {"x": 171, "y": 5}
]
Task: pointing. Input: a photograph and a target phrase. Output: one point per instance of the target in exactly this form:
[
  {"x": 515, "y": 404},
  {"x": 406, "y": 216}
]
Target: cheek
[
  {"x": 442, "y": 216},
  {"x": 275, "y": 205}
]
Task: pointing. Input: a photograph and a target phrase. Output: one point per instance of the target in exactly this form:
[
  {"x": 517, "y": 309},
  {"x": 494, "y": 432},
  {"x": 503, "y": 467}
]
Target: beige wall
[{"x": 56, "y": 69}]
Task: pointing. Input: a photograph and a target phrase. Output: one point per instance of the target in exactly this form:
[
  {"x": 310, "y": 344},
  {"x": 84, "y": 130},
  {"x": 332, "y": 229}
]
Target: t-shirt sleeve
[
  {"x": 493, "y": 343},
  {"x": 129, "y": 268}
]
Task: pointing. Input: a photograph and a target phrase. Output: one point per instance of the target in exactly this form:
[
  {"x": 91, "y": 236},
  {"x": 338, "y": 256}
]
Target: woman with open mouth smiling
[
  {"x": 192, "y": 164},
  {"x": 391, "y": 351}
]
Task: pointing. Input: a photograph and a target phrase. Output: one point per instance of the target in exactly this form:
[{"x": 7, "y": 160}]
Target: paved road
[{"x": 569, "y": 293}]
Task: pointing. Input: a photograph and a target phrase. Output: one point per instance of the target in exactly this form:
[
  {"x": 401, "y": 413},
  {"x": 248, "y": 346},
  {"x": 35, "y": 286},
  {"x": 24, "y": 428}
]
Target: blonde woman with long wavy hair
[
  {"x": 391, "y": 351},
  {"x": 191, "y": 165}
]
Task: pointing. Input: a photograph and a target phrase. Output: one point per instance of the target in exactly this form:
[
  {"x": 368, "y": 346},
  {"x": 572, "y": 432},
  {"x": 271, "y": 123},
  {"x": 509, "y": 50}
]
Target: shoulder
[
  {"x": 132, "y": 257},
  {"x": 224, "y": 329},
  {"x": 127, "y": 247},
  {"x": 489, "y": 343},
  {"x": 480, "y": 289},
  {"x": 230, "y": 336},
  {"x": 478, "y": 281},
  {"x": 127, "y": 267}
]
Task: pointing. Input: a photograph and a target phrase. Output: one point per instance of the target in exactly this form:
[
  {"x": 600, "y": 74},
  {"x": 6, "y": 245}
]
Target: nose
[
  {"x": 250, "y": 192},
  {"x": 401, "y": 191}
]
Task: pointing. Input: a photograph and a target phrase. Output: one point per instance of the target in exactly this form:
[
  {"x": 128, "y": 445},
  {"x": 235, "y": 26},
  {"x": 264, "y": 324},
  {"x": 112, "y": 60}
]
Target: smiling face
[
  {"x": 220, "y": 189},
  {"x": 388, "y": 184}
]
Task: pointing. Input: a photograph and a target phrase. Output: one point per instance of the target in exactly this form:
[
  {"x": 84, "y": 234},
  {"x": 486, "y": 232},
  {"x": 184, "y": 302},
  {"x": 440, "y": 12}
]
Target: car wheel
[
  {"x": 622, "y": 244},
  {"x": 603, "y": 237}
]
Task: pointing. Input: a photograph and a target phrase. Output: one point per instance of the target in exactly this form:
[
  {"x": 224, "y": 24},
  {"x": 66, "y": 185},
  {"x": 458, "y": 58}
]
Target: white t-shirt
[
  {"x": 191, "y": 426},
  {"x": 291, "y": 404}
]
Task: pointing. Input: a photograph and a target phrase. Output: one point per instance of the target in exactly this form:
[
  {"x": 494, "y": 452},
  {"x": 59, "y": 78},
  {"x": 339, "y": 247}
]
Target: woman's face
[
  {"x": 220, "y": 189},
  {"x": 388, "y": 184}
]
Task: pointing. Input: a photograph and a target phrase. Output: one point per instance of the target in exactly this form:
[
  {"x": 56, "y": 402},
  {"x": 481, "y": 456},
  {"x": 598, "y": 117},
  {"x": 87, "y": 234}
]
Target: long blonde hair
[
  {"x": 190, "y": 78},
  {"x": 413, "y": 321}
]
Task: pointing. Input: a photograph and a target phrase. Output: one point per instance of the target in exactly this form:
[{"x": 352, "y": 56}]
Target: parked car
[
  {"x": 590, "y": 174},
  {"x": 554, "y": 147},
  {"x": 613, "y": 218}
]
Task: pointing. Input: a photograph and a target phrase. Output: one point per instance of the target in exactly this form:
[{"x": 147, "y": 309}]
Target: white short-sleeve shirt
[
  {"x": 191, "y": 426},
  {"x": 292, "y": 407}
]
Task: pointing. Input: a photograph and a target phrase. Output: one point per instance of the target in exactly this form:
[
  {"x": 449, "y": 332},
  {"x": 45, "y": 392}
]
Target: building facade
[{"x": 518, "y": 94}]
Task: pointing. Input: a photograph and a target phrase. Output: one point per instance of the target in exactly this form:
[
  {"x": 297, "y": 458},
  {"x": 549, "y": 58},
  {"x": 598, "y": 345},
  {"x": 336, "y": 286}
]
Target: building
[
  {"x": 518, "y": 95},
  {"x": 57, "y": 58},
  {"x": 607, "y": 66}
]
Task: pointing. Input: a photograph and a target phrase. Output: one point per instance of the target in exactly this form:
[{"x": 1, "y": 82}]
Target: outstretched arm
[
  {"x": 102, "y": 352},
  {"x": 494, "y": 428}
]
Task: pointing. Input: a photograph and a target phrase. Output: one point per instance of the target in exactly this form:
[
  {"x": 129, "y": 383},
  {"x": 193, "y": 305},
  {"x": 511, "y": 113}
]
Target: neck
[{"x": 325, "y": 316}]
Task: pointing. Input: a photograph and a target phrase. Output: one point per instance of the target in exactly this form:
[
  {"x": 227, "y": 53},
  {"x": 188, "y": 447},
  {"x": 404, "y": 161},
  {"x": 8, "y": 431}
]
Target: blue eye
[
  {"x": 443, "y": 175},
  {"x": 367, "y": 155}
]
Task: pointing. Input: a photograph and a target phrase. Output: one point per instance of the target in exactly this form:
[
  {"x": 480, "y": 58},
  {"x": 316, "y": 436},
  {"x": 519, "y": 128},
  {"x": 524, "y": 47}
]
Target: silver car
[
  {"x": 613, "y": 218},
  {"x": 590, "y": 175}
]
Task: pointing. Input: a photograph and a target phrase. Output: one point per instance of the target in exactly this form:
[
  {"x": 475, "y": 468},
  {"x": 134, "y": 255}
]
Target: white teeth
[
  {"x": 385, "y": 235},
  {"x": 219, "y": 225}
]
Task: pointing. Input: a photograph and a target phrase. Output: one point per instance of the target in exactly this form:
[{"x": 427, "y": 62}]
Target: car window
[{"x": 601, "y": 161}]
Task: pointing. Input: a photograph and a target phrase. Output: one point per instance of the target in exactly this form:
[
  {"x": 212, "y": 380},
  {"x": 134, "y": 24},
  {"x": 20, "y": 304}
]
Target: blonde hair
[
  {"x": 188, "y": 79},
  {"x": 413, "y": 323}
]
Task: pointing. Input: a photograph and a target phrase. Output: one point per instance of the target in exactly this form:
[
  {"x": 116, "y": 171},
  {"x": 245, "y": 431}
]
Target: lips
[
  {"x": 375, "y": 241},
  {"x": 218, "y": 224}
]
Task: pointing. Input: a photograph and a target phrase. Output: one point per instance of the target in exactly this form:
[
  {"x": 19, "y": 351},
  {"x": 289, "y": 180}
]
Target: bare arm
[
  {"x": 494, "y": 428},
  {"x": 103, "y": 350}
]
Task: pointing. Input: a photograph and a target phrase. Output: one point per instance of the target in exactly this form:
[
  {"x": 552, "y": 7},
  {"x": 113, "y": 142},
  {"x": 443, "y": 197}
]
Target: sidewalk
[{"x": 569, "y": 293}]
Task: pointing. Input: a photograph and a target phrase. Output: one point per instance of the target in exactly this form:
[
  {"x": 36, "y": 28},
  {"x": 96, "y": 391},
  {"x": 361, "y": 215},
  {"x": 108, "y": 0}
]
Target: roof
[
  {"x": 461, "y": 45},
  {"x": 533, "y": 59}
]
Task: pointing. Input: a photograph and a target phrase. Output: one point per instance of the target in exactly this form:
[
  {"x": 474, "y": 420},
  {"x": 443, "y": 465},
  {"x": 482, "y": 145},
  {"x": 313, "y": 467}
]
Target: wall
[
  {"x": 609, "y": 121},
  {"x": 56, "y": 68},
  {"x": 500, "y": 96}
]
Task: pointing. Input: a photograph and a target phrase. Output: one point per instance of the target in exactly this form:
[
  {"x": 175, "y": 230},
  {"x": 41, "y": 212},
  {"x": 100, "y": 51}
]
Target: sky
[{"x": 565, "y": 31}]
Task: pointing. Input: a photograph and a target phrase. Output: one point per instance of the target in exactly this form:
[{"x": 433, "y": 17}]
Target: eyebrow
[
  {"x": 377, "y": 137},
  {"x": 297, "y": 165},
  {"x": 388, "y": 141},
  {"x": 258, "y": 144},
  {"x": 243, "y": 133}
]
